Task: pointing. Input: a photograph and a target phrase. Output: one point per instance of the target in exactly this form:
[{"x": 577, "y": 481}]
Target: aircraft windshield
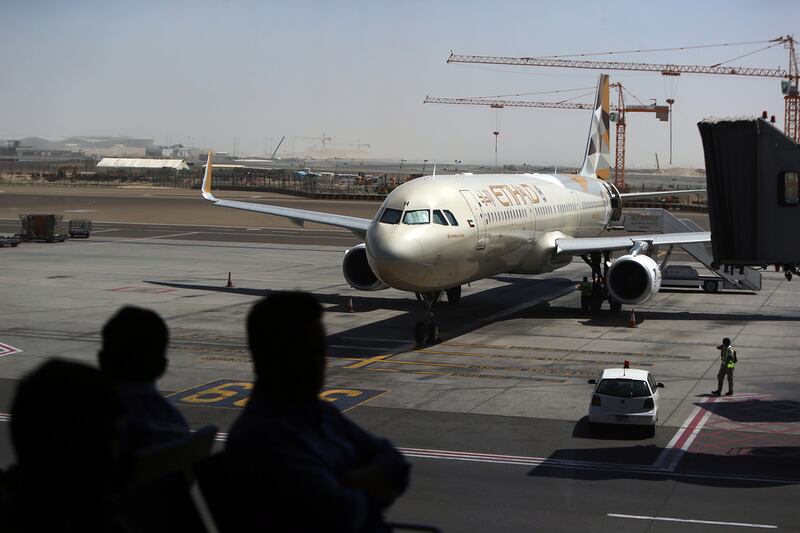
[
  {"x": 391, "y": 216},
  {"x": 438, "y": 218},
  {"x": 417, "y": 216},
  {"x": 451, "y": 218}
]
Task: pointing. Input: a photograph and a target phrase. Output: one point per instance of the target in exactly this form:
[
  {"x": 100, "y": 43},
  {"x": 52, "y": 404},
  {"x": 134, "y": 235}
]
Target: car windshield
[
  {"x": 418, "y": 216},
  {"x": 391, "y": 216},
  {"x": 623, "y": 388}
]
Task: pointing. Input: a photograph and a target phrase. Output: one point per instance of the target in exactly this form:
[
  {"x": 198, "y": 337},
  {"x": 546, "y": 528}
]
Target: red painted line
[{"x": 687, "y": 431}]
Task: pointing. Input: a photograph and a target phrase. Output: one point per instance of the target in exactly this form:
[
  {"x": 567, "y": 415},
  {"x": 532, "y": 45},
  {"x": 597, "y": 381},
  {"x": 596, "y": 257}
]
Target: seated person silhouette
[
  {"x": 67, "y": 430},
  {"x": 306, "y": 466},
  {"x": 132, "y": 358}
]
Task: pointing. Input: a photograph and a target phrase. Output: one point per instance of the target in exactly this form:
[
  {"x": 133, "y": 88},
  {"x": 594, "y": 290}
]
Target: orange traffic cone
[
  {"x": 229, "y": 285},
  {"x": 349, "y": 304},
  {"x": 632, "y": 320}
]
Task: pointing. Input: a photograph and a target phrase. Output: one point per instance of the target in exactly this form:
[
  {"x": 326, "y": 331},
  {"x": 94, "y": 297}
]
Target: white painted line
[
  {"x": 173, "y": 235},
  {"x": 691, "y": 521}
]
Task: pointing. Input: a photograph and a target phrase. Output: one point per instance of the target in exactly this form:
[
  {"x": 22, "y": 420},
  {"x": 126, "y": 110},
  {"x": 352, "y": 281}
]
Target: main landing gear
[{"x": 600, "y": 261}]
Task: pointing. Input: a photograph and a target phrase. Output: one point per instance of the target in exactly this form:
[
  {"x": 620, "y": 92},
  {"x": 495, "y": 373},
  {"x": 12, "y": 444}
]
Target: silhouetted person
[
  {"x": 310, "y": 468},
  {"x": 133, "y": 357},
  {"x": 67, "y": 430}
]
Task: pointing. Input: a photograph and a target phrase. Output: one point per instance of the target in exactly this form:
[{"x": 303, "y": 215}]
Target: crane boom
[{"x": 664, "y": 68}]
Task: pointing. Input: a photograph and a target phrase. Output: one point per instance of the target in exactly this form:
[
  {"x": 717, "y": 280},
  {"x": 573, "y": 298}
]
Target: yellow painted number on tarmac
[
  {"x": 333, "y": 394},
  {"x": 220, "y": 393}
]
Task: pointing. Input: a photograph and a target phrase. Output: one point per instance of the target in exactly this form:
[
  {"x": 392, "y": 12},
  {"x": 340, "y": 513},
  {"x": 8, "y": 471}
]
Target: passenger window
[
  {"x": 391, "y": 216},
  {"x": 417, "y": 216},
  {"x": 438, "y": 218},
  {"x": 450, "y": 218},
  {"x": 789, "y": 189}
]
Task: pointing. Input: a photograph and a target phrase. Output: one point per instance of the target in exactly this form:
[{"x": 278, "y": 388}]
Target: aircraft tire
[
  {"x": 419, "y": 333},
  {"x": 454, "y": 295},
  {"x": 433, "y": 333}
]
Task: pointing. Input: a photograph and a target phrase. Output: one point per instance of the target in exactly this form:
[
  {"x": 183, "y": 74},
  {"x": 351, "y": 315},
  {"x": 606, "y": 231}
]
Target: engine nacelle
[
  {"x": 357, "y": 272},
  {"x": 633, "y": 279}
]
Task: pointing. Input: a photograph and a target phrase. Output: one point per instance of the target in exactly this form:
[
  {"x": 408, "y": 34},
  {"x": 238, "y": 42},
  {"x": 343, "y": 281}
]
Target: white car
[{"x": 625, "y": 396}]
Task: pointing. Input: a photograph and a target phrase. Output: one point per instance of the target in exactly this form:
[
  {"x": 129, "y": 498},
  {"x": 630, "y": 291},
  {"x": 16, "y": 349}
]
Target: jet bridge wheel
[
  {"x": 616, "y": 306},
  {"x": 710, "y": 286}
]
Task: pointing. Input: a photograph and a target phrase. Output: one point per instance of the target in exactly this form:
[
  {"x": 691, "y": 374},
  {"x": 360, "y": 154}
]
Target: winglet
[
  {"x": 596, "y": 162},
  {"x": 207, "y": 180}
]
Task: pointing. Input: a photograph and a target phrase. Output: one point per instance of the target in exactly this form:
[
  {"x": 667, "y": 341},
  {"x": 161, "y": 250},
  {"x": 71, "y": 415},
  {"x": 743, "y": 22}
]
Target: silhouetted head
[
  {"x": 134, "y": 346},
  {"x": 287, "y": 341},
  {"x": 585, "y": 278},
  {"x": 726, "y": 341},
  {"x": 67, "y": 426}
]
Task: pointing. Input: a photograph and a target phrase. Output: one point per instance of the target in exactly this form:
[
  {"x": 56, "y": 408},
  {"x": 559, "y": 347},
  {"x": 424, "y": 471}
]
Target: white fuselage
[{"x": 506, "y": 223}]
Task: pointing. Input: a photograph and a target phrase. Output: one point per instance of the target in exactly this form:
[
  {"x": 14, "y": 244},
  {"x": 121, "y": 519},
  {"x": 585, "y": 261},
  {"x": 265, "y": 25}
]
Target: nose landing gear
[{"x": 427, "y": 331}]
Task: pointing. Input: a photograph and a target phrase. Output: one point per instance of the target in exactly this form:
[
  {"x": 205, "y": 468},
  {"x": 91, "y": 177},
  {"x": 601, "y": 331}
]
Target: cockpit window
[
  {"x": 451, "y": 218},
  {"x": 438, "y": 218},
  {"x": 417, "y": 216},
  {"x": 391, "y": 216}
]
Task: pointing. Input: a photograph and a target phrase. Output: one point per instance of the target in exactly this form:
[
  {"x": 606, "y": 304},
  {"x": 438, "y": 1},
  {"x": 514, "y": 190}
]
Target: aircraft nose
[{"x": 397, "y": 258}]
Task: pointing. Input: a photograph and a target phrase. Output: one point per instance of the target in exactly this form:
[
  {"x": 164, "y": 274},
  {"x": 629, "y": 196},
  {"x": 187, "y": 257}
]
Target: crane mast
[{"x": 618, "y": 111}]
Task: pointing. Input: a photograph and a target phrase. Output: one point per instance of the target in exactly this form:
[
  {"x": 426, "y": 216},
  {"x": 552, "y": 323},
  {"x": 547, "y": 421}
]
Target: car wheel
[
  {"x": 710, "y": 286},
  {"x": 651, "y": 431}
]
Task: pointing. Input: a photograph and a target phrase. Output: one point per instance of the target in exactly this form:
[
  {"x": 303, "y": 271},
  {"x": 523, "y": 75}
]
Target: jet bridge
[
  {"x": 753, "y": 181},
  {"x": 657, "y": 220}
]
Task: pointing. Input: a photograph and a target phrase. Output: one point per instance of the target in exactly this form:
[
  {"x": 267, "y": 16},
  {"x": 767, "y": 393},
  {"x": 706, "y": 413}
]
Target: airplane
[{"x": 436, "y": 233}]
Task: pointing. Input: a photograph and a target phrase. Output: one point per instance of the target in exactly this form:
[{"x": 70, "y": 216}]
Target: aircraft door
[{"x": 478, "y": 221}]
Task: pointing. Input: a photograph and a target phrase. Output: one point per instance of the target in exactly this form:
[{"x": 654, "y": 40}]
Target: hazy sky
[{"x": 359, "y": 70}]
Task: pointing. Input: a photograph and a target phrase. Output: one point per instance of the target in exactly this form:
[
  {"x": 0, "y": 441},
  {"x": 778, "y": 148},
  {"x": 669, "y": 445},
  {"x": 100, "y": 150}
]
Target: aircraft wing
[
  {"x": 585, "y": 245},
  {"x": 298, "y": 216}
]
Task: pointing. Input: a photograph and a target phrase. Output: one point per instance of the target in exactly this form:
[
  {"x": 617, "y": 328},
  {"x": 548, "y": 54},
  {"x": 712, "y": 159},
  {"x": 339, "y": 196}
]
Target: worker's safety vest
[{"x": 728, "y": 357}]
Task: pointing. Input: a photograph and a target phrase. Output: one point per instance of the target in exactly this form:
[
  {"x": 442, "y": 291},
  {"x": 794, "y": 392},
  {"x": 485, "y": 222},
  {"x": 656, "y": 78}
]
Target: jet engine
[
  {"x": 357, "y": 272},
  {"x": 633, "y": 279}
]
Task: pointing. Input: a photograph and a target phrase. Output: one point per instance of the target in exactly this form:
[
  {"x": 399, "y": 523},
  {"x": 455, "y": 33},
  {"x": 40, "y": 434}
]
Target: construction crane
[
  {"x": 618, "y": 115},
  {"x": 789, "y": 86}
]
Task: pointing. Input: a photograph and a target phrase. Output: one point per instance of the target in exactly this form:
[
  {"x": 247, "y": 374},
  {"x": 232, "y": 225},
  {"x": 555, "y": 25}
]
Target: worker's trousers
[{"x": 725, "y": 371}]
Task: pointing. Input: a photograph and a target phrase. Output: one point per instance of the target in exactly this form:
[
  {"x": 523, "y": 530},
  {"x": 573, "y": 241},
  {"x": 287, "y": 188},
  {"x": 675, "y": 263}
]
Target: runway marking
[
  {"x": 692, "y": 521},
  {"x": 173, "y": 235},
  {"x": 7, "y": 349},
  {"x": 229, "y": 394},
  {"x": 366, "y": 362},
  {"x": 683, "y": 438}
]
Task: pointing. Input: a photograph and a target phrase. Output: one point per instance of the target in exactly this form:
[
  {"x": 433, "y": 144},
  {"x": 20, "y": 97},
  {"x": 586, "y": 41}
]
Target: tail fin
[
  {"x": 207, "y": 180},
  {"x": 596, "y": 162}
]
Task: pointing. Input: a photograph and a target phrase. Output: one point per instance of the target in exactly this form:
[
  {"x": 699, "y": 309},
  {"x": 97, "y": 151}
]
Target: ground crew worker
[
  {"x": 727, "y": 356},
  {"x": 585, "y": 287}
]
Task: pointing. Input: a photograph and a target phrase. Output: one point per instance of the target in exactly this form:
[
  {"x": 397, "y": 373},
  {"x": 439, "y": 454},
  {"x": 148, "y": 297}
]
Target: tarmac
[{"x": 493, "y": 418}]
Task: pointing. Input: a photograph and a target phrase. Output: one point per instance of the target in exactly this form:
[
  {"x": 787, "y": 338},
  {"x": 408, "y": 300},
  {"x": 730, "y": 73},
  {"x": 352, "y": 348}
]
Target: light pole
[
  {"x": 670, "y": 101},
  {"x": 424, "y": 162},
  {"x": 457, "y": 161},
  {"x": 401, "y": 166},
  {"x": 496, "y": 134}
]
